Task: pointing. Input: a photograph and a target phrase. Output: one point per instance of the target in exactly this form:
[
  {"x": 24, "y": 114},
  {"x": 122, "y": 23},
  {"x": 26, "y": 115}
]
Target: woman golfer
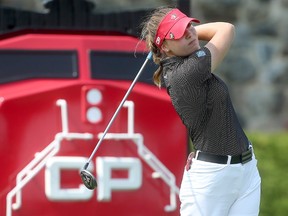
[{"x": 223, "y": 178}]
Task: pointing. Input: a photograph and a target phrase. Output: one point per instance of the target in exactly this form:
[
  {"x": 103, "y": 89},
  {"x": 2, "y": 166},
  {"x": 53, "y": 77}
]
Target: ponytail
[{"x": 149, "y": 29}]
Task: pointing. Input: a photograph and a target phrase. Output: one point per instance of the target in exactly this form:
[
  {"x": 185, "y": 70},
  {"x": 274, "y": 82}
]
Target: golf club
[{"x": 87, "y": 178}]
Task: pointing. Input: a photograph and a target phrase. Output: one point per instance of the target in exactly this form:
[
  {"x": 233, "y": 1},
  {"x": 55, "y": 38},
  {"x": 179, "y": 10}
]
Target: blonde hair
[{"x": 149, "y": 29}]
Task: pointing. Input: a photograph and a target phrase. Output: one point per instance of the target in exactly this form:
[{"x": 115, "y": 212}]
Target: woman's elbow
[{"x": 231, "y": 29}]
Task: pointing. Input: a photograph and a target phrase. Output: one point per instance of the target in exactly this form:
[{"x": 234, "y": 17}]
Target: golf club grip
[{"x": 149, "y": 57}]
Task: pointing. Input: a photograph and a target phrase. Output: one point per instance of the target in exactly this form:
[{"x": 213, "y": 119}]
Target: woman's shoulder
[
  {"x": 199, "y": 58},
  {"x": 202, "y": 52}
]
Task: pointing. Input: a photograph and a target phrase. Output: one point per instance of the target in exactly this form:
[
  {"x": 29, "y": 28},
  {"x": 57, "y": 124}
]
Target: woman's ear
[{"x": 165, "y": 48}]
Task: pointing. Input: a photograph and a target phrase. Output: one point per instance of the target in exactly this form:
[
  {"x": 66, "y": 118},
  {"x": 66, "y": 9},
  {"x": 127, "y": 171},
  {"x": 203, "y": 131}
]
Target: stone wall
[{"x": 256, "y": 67}]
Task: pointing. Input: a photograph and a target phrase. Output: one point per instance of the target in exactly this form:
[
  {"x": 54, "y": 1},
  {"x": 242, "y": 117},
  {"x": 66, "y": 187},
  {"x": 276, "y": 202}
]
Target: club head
[{"x": 88, "y": 179}]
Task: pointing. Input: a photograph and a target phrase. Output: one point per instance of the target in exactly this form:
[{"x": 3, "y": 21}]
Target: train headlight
[{"x": 92, "y": 98}]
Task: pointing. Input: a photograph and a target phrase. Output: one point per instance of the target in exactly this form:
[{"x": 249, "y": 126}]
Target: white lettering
[
  {"x": 106, "y": 183},
  {"x": 53, "y": 188},
  {"x": 105, "y": 166}
]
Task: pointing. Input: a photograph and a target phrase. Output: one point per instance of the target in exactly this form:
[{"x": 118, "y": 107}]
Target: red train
[{"x": 57, "y": 94}]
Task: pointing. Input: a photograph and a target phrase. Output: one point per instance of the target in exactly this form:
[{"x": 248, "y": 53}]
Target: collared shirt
[{"x": 203, "y": 103}]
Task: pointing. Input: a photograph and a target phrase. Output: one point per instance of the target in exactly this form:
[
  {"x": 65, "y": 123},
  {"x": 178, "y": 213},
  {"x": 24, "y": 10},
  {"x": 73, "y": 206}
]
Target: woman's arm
[{"x": 219, "y": 36}]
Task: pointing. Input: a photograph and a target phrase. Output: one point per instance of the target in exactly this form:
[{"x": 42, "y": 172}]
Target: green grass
[{"x": 271, "y": 150}]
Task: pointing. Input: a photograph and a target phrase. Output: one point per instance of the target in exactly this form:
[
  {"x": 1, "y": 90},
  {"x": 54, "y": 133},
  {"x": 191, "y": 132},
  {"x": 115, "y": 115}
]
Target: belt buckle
[
  {"x": 246, "y": 156},
  {"x": 229, "y": 157}
]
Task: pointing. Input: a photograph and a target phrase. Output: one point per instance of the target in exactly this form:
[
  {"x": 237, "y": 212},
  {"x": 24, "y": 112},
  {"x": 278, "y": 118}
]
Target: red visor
[{"x": 172, "y": 26}]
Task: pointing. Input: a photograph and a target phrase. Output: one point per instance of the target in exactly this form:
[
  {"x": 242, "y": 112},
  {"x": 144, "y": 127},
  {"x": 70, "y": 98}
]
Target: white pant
[{"x": 210, "y": 189}]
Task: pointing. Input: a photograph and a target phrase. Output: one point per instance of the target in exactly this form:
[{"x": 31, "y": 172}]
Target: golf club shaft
[{"x": 149, "y": 56}]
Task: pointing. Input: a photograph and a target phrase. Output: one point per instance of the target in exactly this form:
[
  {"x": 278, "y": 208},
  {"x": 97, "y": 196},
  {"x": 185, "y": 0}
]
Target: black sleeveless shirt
[{"x": 202, "y": 101}]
